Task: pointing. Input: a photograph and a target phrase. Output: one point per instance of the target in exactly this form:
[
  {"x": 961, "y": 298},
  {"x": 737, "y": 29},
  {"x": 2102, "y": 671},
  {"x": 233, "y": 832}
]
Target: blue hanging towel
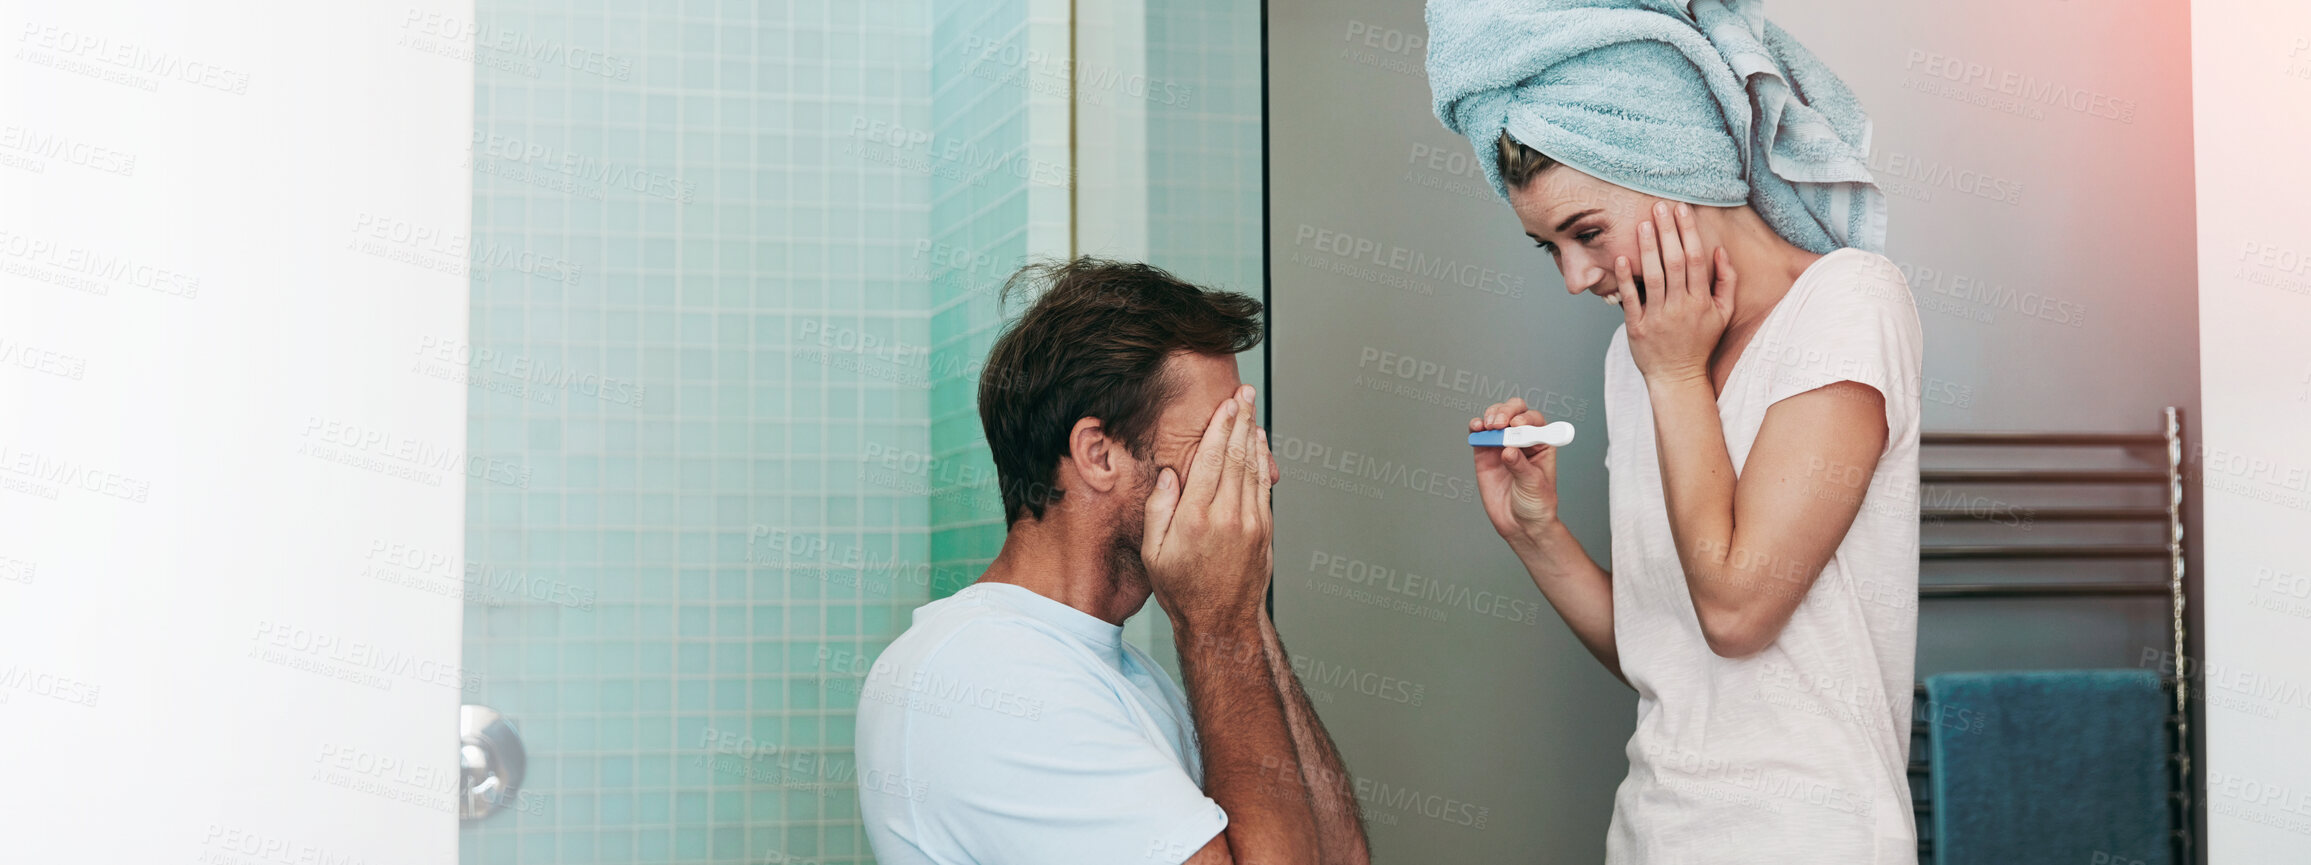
[{"x": 2050, "y": 766}]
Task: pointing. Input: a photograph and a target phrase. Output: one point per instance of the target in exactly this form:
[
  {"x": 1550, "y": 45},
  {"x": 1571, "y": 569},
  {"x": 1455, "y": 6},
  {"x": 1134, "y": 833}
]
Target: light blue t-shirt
[{"x": 1006, "y": 727}]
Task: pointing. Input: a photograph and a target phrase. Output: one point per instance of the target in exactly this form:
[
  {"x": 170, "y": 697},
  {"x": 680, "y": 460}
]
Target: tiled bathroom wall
[
  {"x": 1204, "y": 175},
  {"x": 710, "y": 352},
  {"x": 999, "y": 105}
]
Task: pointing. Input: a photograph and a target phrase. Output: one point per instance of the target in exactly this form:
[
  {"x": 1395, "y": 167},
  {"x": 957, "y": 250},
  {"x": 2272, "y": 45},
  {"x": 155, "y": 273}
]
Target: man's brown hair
[{"x": 1093, "y": 344}]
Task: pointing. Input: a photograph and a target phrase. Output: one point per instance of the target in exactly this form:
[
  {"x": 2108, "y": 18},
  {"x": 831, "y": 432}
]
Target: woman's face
[{"x": 1584, "y": 223}]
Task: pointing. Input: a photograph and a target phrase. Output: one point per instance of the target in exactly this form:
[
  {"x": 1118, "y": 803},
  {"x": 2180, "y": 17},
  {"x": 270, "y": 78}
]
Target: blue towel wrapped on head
[{"x": 1701, "y": 101}]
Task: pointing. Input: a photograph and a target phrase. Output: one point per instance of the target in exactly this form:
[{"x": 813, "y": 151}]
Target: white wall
[
  {"x": 2251, "y": 76},
  {"x": 228, "y": 230}
]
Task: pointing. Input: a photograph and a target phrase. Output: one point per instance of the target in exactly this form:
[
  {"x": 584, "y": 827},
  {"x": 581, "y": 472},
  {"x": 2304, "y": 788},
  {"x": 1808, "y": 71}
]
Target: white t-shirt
[
  {"x": 1798, "y": 753},
  {"x": 1007, "y": 727}
]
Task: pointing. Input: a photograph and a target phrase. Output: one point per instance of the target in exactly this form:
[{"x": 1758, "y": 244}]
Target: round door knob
[{"x": 490, "y": 758}]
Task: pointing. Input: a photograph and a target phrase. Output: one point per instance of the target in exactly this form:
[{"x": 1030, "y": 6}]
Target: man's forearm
[
  {"x": 1332, "y": 793},
  {"x": 1251, "y": 767}
]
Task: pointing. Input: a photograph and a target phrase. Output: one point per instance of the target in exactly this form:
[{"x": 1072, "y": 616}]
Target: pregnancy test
[{"x": 1554, "y": 435}]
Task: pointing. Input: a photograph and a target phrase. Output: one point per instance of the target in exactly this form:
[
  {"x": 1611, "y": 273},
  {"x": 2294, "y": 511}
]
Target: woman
[{"x": 1762, "y": 403}]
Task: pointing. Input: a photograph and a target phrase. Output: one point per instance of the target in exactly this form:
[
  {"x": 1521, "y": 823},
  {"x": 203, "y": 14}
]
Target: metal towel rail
[{"x": 2176, "y": 679}]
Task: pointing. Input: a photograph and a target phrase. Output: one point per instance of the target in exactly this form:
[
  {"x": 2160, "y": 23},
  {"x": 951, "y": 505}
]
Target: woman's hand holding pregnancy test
[
  {"x": 1688, "y": 299},
  {"x": 1518, "y": 484},
  {"x": 1517, "y": 480}
]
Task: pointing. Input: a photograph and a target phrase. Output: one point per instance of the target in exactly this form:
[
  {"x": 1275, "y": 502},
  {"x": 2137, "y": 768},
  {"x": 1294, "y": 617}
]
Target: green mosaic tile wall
[
  {"x": 705, "y": 354},
  {"x": 979, "y": 105}
]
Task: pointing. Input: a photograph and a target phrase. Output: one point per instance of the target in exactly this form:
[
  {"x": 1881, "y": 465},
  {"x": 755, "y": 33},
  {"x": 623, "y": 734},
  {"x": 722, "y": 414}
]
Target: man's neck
[{"x": 1047, "y": 558}]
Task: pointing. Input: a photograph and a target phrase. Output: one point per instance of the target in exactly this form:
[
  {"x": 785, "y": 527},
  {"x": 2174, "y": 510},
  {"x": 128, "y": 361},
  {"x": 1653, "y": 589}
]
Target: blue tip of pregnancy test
[{"x": 1491, "y": 438}]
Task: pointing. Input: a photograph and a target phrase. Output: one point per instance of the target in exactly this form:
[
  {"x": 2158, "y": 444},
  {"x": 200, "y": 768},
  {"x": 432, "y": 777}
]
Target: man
[{"x": 1011, "y": 723}]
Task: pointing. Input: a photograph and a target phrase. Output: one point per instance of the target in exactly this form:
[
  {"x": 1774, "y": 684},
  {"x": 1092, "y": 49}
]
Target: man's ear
[{"x": 1095, "y": 457}]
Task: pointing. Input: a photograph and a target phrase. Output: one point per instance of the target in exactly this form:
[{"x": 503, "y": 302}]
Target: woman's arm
[
  {"x": 1581, "y": 591},
  {"x": 1519, "y": 489},
  {"x": 1751, "y": 546}
]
